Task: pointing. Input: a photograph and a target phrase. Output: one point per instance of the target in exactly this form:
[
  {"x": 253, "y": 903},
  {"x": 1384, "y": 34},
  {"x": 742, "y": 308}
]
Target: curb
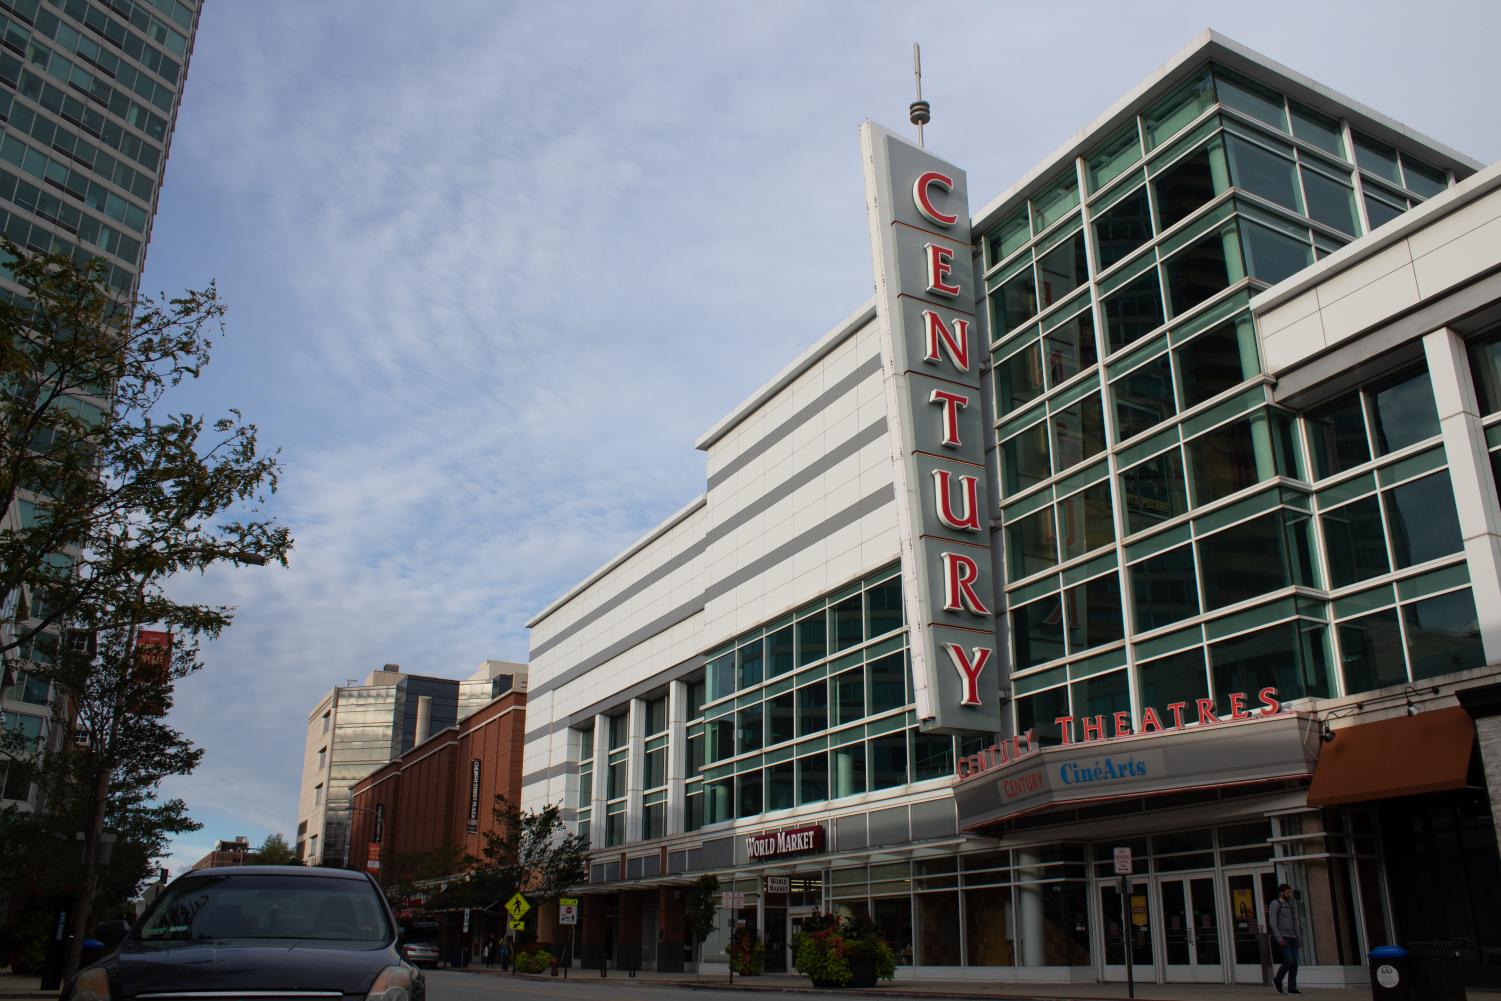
[{"x": 893, "y": 991}]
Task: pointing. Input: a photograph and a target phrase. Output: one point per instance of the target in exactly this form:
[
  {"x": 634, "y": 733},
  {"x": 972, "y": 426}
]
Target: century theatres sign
[
  {"x": 925, "y": 300},
  {"x": 791, "y": 841}
]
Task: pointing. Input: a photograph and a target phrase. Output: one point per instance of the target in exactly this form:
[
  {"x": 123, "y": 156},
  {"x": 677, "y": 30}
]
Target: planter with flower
[
  {"x": 747, "y": 955},
  {"x": 848, "y": 953}
]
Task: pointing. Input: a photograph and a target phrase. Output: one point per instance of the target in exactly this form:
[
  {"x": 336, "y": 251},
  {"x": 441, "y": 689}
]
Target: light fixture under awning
[{"x": 1401, "y": 756}]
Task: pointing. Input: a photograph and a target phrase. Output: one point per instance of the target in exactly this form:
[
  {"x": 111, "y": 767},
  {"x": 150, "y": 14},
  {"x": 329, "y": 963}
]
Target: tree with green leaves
[
  {"x": 528, "y": 852},
  {"x": 274, "y": 851},
  {"x": 108, "y": 498},
  {"x": 701, "y": 908}
]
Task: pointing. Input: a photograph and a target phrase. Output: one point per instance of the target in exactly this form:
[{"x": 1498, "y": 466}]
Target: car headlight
[
  {"x": 93, "y": 985},
  {"x": 393, "y": 984}
]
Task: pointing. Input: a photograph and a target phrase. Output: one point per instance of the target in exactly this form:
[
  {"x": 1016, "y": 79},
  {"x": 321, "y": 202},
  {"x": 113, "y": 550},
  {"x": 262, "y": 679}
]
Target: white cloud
[{"x": 493, "y": 271}]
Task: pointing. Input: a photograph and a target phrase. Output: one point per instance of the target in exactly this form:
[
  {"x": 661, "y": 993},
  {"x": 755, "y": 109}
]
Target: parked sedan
[
  {"x": 420, "y": 953},
  {"x": 303, "y": 933}
]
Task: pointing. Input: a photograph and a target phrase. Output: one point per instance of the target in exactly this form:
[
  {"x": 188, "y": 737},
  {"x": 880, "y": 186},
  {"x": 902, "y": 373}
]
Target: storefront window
[
  {"x": 988, "y": 927},
  {"x": 938, "y": 929},
  {"x": 893, "y": 916}
]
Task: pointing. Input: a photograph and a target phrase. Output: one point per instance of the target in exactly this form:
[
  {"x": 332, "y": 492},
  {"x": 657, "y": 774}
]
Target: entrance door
[
  {"x": 1249, "y": 892},
  {"x": 1190, "y": 930},
  {"x": 1138, "y": 932}
]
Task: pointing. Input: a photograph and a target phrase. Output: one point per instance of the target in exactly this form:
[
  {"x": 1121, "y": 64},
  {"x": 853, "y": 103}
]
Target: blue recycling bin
[{"x": 1391, "y": 974}]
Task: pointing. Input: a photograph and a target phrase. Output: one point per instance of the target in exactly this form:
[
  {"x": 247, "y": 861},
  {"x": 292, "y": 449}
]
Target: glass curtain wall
[{"x": 1170, "y": 532}]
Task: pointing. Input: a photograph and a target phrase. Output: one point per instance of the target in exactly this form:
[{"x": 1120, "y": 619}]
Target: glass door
[
  {"x": 1190, "y": 930},
  {"x": 1138, "y": 932},
  {"x": 1249, "y": 893},
  {"x": 795, "y": 916}
]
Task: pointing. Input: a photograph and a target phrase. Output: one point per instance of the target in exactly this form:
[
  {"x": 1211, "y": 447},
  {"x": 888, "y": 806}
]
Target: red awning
[{"x": 1401, "y": 756}]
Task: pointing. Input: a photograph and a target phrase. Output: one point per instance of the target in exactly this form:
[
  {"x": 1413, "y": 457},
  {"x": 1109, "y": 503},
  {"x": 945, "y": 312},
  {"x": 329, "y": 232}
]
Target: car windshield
[{"x": 198, "y": 908}]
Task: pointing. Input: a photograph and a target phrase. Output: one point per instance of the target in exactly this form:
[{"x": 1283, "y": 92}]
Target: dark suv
[{"x": 324, "y": 934}]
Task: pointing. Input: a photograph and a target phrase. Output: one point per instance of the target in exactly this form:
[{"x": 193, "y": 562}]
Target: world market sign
[
  {"x": 918, "y": 208},
  {"x": 792, "y": 841}
]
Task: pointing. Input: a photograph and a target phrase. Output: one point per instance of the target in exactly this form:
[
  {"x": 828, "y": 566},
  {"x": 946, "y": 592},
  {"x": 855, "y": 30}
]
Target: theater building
[{"x": 1151, "y": 505}]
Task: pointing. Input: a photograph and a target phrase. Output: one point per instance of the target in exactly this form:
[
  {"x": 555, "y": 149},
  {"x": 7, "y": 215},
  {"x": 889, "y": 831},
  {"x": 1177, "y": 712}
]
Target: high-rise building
[
  {"x": 1148, "y": 507},
  {"x": 89, "y": 94},
  {"x": 357, "y": 728}
]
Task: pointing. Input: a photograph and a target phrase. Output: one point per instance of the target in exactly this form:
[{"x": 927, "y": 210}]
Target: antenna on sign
[{"x": 919, "y": 111}]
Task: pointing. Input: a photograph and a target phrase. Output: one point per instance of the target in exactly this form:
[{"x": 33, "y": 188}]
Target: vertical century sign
[{"x": 918, "y": 208}]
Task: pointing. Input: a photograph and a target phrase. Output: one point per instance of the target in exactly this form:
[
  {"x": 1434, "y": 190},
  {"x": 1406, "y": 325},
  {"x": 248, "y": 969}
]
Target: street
[{"x": 447, "y": 985}]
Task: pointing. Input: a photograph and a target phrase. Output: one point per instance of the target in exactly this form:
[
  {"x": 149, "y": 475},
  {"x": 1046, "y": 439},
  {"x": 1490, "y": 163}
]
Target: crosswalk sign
[
  {"x": 517, "y": 906},
  {"x": 516, "y": 924}
]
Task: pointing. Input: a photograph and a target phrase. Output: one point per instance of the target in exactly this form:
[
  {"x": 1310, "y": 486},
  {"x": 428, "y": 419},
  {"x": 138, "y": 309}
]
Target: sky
[{"x": 491, "y": 272}]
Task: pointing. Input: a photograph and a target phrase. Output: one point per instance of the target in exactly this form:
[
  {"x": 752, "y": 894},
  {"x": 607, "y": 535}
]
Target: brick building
[{"x": 418, "y": 816}]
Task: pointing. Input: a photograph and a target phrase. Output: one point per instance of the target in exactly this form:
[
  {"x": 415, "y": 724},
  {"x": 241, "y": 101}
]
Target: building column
[
  {"x": 677, "y": 755},
  {"x": 1470, "y": 473},
  {"x": 597, "y": 796},
  {"x": 1032, "y": 926},
  {"x": 635, "y": 770}
]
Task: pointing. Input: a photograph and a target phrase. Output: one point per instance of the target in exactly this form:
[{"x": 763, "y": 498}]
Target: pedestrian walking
[
  {"x": 505, "y": 953},
  {"x": 487, "y": 952},
  {"x": 1282, "y": 923}
]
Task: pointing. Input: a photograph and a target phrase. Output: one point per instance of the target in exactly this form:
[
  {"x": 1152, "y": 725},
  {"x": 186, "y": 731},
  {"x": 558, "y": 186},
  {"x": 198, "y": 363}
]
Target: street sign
[
  {"x": 466, "y": 919},
  {"x": 568, "y": 914},
  {"x": 517, "y": 906},
  {"x": 568, "y": 901},
  {"x": 1123, "y": 863},
  {"x": 778, "y": 884},
  {"x": 516, "y": 924},
  {"x": 732, "y": 900}
]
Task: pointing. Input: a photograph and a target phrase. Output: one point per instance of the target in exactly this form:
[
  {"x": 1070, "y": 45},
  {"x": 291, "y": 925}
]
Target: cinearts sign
[
  {"x": 793, "y": 841},
  {"x": 918, "y": 207}
]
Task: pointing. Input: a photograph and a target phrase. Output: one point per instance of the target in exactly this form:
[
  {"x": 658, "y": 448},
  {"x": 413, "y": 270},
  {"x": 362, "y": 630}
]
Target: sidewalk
[
  {"x": 13, "y": 986},
  {"x": 967, "y": 989}
]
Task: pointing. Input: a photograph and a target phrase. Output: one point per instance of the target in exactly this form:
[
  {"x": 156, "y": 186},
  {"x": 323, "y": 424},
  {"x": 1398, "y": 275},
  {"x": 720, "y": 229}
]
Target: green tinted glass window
[
  {"x": 1110, "y": 160},
  {"x": 1243, "y": 561},
  {"x": 1010, "y": 236},
  {"x": 1134, "y": 310},
  {"x": 1228, "y": 459},
  {"x": 1426, "y": 181},
  {"x": 1377, "y": 157},
  {"x": 1079, "y": 432},
  {"x": 1014, "y": 303},
  {"x": 1380, "y": 211},
  {"x": 1061, "y": 270},
  {"x": 1371, "y": 652},
  {"x": 1250, "y": 98},
  {"x": 1037, "y": 630},
  {"x": 1056, "y": 202},
  {"x": 1338, "y": 436},
  {"x": 1102, "y": 695},
  {"x": 1355, "y": 539},
  {"x": 1290, "y": 658},
  {"x": 1144, "y": 398},
  {"x": 1037, "y": 713},
  {"x": 1485, "y": 369},
  {"x": 1094, "y": 613},
  {"x": 1424, "y": 522},
  {"x": 1217, "y": 360},
  {"x": 1180, "y": 678},
  {"x": 1031, "y": 544},
  {"x": 1024, "y": 458},
  {"x": 1263, "y": 172},
  {"x": 1443, "y": 635},
  {"x": 1164, "y": 589},
  {"x": 1197, "y": 272},
  {"x": 888, "y": 683},
  {"x": 1125, "y": 226},
  {"x": 1069, "y": 348},
  {"x": 1330, "y": 202},
  {"x": 1154, "y": 491},
  {"x": 1318, "y": 130},
  {"x": 1403, "y": 412},
  {"x": 1084, "y": 520},
  {"x": 1179, "y": 108},
  {"x": 1188, "y": 184},
  {"x": 1272, "y": 255},
  {"x": 883, "y": 607},
  {"x": 1018, "y": 378}
]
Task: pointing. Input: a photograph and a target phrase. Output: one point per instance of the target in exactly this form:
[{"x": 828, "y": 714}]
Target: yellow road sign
[
  {"x": 517, "y": 906},
  {"x": 517, "y": 925},
  {"x": 568, "y": 901}
]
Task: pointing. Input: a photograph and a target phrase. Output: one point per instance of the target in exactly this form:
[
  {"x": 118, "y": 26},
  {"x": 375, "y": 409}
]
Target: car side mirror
[{"x": 111, "y": 933}]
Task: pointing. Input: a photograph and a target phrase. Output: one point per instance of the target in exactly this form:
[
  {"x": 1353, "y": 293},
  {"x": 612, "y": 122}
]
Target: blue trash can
[{"x": 1391, "y": 974}]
